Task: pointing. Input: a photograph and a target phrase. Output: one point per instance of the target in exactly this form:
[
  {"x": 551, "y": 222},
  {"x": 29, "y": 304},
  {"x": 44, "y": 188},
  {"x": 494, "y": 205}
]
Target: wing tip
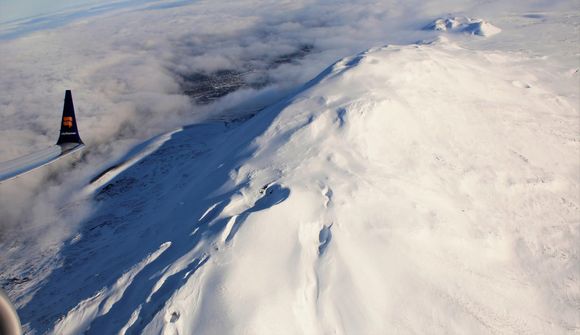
[{"x": 69, "y": 132}]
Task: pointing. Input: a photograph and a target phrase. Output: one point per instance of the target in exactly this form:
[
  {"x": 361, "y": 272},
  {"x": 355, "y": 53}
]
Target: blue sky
[
  {"x": 19, "y": 9},
  {"x": 20, "y": 17}
]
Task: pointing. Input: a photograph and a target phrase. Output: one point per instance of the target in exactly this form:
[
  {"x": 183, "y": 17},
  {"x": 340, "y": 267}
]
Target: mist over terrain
[{"x": 141, "y": 69}]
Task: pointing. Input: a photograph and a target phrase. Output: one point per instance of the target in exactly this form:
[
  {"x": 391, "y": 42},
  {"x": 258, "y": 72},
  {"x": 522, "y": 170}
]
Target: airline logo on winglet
[{"x": 67, "y": 121}]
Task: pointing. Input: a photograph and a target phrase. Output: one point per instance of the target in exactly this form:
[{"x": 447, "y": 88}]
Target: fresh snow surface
[
  {"x": 464, "y": 25},
  {"x": 407, "y": 189}
]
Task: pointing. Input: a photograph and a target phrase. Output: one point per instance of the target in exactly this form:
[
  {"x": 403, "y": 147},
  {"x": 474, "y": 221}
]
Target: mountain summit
[{"x": 405, "y": 188}]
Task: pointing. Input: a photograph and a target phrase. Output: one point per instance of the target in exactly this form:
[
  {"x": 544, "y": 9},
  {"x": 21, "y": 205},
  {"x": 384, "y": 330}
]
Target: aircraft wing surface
[
  {"x": 20, "y": 165},
  {"x": 68, "y": 142}
]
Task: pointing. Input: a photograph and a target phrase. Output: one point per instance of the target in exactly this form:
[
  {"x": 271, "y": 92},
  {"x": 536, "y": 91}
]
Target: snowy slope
[
  {"x": 415, "y": 188},
  {"x": 407, "y": 189}
]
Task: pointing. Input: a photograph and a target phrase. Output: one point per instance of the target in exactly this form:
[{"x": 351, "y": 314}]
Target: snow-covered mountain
[
  {"x": 405, "y": 189},
  {"x": 428, "y": 187}
]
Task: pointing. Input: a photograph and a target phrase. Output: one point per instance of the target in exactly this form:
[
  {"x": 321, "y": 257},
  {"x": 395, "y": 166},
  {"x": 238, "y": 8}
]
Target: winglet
[{"x": 69, "y": 132}]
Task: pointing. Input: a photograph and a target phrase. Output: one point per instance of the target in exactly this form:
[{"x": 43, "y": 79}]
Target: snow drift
[{"x": 407, "y": 189}]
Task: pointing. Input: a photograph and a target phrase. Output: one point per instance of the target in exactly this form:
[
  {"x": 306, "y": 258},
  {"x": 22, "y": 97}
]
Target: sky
[{"x": 15, "y": 9}]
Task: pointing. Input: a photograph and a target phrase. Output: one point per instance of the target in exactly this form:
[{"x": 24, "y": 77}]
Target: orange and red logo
[{"x": 67, "y": 121}]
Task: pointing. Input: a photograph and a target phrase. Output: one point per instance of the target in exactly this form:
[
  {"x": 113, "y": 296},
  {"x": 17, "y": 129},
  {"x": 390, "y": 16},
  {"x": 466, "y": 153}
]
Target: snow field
[{"x": 449, "y": 194}]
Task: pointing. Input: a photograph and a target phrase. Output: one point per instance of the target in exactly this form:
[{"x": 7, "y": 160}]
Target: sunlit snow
[{"x": 428, "y": 183}]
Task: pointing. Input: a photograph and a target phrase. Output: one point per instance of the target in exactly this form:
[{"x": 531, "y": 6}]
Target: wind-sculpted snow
[{"x": 407, "y": 189}]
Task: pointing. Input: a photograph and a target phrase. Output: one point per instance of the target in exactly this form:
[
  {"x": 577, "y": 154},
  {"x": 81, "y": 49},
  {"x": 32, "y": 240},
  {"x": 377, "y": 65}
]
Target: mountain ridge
[{"x": 390, "y": 192}]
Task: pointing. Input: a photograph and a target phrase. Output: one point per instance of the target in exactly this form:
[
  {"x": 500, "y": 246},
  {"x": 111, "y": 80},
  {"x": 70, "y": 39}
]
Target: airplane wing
[
  {"x": 21, "y": 165},
  {"x": 68, "y": 142}
]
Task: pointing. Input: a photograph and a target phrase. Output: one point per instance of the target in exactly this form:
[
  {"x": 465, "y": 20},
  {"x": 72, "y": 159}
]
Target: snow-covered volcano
[{"x": 408, "y": 189}]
